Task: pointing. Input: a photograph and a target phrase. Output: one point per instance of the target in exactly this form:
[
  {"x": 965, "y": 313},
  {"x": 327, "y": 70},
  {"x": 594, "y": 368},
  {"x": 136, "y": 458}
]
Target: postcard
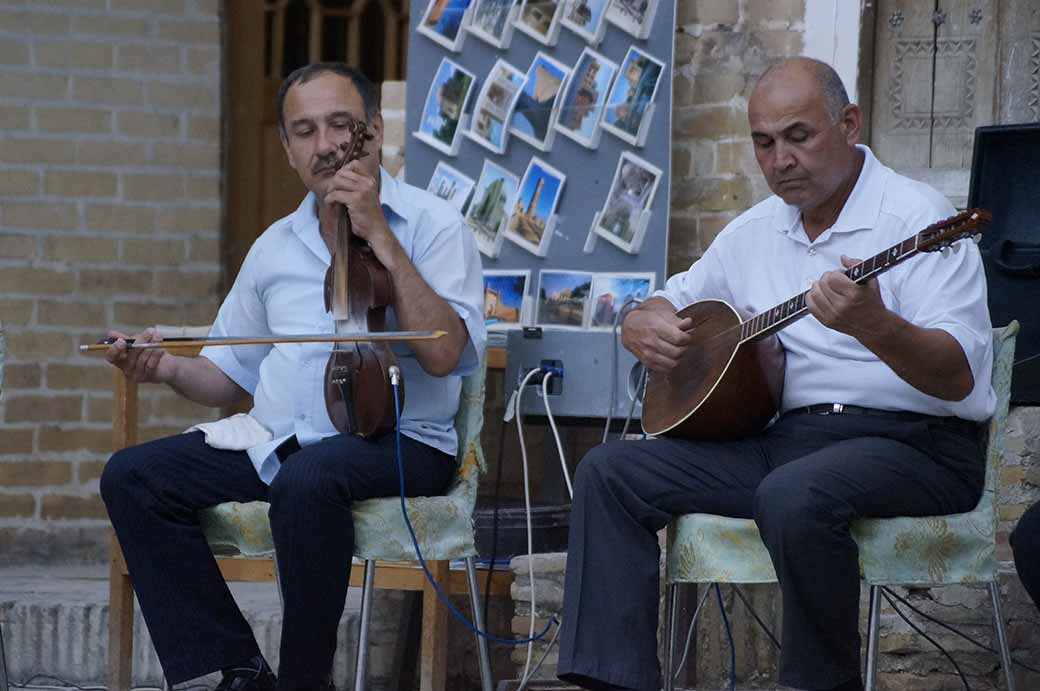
[
  {"x": 492, "y": 203},
  {"x": 585, "y": 18},
  {"x": 585, "y": 97},
  {"x": 634, "y": 90},
  {"x": 540, "y": 19},
  {"x": 445, "y": 106},
  {"x": 563, "y": 298},
  {"x": 535, "y": 110},
  {"x": 451, "y": 185},
  {"x": 634, "y": 16},
  {"x": 530, "y": 223},
  {"x": 611, "y": 292},
  {"x": 631, "y": 193},
  {"x": 493, "y": 21},
  {"x": 495, "y": 105},
  {"x": 443, "y": 22},
  {"x": 505, "y": 292}
]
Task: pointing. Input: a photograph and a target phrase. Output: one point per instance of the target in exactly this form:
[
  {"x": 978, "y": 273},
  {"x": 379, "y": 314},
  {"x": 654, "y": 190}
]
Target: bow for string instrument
[
  {"x": 358, "y": 388},
  {"x": 359, "y": 394},
  {"x": 730, "y": 379}
]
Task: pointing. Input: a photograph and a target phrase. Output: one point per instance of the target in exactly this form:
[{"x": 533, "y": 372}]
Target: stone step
[{"x": 55, "y": 623}]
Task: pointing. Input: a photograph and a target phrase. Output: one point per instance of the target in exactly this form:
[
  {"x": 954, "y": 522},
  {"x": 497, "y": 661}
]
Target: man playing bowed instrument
[{"x": 308, "y": 472}]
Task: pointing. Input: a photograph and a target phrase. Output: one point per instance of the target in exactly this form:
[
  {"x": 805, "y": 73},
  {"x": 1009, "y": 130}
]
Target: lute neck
[{"x": 784, "y": 314}]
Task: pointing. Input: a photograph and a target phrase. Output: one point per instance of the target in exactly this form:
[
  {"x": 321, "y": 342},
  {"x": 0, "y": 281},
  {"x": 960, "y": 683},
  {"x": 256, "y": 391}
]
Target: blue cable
[
  {"x": 422, "y": 562},
  {"x": 729, "y": 635}
]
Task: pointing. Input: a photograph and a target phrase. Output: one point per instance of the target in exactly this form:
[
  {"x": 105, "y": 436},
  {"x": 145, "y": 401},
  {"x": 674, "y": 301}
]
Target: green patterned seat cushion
[
  {"x": 959, "y": 548},
  {"x": 443, "y": 525}
]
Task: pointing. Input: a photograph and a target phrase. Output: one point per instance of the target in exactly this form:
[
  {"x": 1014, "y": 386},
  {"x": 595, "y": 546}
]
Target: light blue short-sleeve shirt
[{"x": 279, "y": 291}]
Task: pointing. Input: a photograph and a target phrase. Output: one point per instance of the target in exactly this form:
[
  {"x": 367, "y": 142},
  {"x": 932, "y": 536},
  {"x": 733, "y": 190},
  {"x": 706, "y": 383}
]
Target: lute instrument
[{"x": 729, "y": 381}]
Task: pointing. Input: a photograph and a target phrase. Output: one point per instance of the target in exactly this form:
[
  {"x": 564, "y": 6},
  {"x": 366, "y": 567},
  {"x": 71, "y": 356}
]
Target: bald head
[{"x": 822, "y": 76}]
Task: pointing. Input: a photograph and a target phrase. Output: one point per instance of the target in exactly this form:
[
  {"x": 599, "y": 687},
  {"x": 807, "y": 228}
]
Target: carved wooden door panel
[
  {"x": 943, "y": 68},
  {"x": 265, "y": 41},
  {"x": 934, "y": 82},
  {"x": 1019, "y": 66}
]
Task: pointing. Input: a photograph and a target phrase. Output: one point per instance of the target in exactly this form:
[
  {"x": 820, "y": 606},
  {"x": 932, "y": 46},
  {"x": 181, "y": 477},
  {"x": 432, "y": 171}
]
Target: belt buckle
[{"x": 837, "y": 408}]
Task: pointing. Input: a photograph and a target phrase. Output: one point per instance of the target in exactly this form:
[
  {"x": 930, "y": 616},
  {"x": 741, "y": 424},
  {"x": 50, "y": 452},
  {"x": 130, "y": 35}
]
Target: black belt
[
  {"x": 287, "y": 448},
  {"x": 902, "y": 415}
]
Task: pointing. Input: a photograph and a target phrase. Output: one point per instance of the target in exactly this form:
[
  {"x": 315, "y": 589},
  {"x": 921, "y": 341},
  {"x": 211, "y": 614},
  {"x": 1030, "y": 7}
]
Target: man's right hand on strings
[{"x": 655, "y": 335}]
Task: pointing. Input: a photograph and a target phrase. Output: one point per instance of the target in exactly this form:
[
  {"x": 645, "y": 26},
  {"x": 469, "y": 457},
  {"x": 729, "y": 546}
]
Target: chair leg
[
  {"x": 486, "y": 680},
  {"x": 873, "y": 637},
  {"x": 998, "y": 620},
  {"x": 433, "y": 656},
  {"x": 361, "y": 667},
  {"x": 671, "y": 622},
  {"x": 120, "y": 622}
]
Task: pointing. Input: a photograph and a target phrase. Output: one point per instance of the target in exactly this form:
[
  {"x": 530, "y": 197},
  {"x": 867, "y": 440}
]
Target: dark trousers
[
  {"x": 1025, "y": 543},
  {"x": 803, "y": 481},
  {"x": 154, "y": 492}
]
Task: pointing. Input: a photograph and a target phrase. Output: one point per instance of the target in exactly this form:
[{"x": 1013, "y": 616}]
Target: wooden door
[
  {"x": 934, "y": 82},
  {"x": 941, "y": 68},
  {"x": 265, "y": 40}
]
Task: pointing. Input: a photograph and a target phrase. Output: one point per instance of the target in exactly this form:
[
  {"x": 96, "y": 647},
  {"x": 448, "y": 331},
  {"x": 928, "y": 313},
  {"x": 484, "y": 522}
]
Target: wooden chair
[
  {"x": 919, "y": 552},
  {"x": 246, "y": 554}
]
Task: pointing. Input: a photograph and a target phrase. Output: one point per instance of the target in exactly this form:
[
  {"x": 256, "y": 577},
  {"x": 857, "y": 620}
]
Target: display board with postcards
[{"x": 547, "y": 124}]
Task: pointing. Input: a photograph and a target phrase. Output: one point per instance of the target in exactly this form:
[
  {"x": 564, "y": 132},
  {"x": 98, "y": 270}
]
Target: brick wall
[{"x": 110, "y": 213}]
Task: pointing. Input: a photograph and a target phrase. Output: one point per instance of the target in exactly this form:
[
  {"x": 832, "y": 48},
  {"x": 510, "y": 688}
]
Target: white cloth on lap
[{"x": 236, "y": 433}]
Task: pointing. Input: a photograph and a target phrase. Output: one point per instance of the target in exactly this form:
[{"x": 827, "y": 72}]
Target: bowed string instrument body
[{"x": 359, "y": 393}]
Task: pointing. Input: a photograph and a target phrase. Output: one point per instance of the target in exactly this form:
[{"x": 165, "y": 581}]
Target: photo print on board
[
  {"x": 445, "y": 107},
  {"x": 494, "y": 109},
  {"x": 535, "y": 111},
  {"x": 451, "y": 185},
  {"x": 585, "y": 18},
  {"x": 493, "y": 201},
  {"x": 610, "y": 292},
  {"x": 530, "y": 224},
  {"x": 504, "y": 298},
  {"x": 581, "y": 107},
  {"x": 492, "y": 21},
  {"x": 563, "y": 298},
  {"x": 540, "y": 19},
  {"x": 631, "y": 193},
  {"x": 633, "y": 92},
  {"x": 444, "y": 21}
]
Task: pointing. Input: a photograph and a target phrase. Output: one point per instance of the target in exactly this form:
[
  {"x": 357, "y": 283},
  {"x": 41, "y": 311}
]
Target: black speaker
[{"x": 1005, "y": 178}]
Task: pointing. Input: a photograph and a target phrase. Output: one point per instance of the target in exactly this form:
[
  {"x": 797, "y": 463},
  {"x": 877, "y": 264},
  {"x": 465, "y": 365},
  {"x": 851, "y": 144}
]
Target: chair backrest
[
  {"x": 469, "y": 421},
  {"x": 1003, "y": 361}
]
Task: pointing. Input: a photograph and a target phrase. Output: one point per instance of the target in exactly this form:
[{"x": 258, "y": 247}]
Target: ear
[
  {"x": 852, "y": 123},
  {"x": 375, "y": 128},
  {"x": 285, "y": 147}
]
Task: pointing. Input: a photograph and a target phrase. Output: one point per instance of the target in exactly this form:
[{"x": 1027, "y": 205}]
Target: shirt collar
[
  {"x": 861, "y": 210},
  {"x": 390, "y": 198}
]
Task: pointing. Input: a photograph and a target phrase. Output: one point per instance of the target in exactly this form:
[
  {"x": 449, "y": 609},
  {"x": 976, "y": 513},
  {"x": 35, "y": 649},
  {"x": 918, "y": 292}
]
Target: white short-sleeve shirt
[
  {"x": 279, "y": 291},
  {"x": 764, "y": 257}
]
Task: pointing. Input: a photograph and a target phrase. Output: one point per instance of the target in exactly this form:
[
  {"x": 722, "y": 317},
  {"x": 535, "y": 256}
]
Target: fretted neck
[{"x": 788, "y": 312}]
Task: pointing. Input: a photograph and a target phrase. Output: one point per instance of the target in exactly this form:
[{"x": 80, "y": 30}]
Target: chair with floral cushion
[
  {"x": 929, "y": 551},
  {"x": 240, "y": 536}
]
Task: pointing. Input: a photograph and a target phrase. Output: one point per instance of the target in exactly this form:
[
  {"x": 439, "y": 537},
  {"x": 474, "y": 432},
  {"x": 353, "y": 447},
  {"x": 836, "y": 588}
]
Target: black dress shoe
[{"x": 253, "y": 675}]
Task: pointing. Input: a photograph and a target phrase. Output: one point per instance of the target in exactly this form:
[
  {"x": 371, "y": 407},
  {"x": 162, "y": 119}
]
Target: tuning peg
[
  {"x": 945, "y": 251},
  {"x": 976, "y": 238},
  {"x": 956, "y": 248}
]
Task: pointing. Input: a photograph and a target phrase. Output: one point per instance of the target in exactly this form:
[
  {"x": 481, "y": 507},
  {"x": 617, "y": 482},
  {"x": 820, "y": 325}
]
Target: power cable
[{"x": 892, "y": 604}]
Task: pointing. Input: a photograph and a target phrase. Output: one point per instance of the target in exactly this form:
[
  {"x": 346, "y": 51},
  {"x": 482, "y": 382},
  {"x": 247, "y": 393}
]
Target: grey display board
[{"x": 589, "y": 173}]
